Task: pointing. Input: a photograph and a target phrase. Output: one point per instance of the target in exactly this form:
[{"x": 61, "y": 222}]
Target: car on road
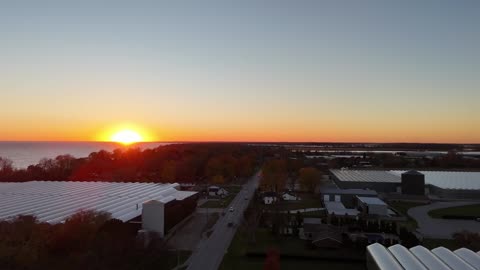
[{"x": 231, "y": 209}]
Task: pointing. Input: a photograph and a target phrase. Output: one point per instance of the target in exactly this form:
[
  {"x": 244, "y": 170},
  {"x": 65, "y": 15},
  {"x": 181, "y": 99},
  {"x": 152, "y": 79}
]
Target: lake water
[{"x": 24, "y": 154}]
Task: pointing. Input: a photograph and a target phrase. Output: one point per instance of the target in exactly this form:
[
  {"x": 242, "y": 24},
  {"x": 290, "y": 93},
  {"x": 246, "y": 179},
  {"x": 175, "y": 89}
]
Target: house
[
  {"x": 289, "y": 197},
  {"x": 269, "y": 197},
  {"x": 217, "y": 191},
  {"x": 321, "y": 235}
]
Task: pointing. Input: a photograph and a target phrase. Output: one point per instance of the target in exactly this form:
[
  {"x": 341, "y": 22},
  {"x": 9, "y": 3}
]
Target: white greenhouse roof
[
  {"x": 405, "y": 258},
  {"x": 441, "y": 179},
  {"x": 469, "y": 256},
  {"x": 451, "y": 259},
  {"x": 450, "y": 179},
  {"x": 428, "y": 258},
  {"x": 420, "y": 257},
  {"x": 371, "y": 200},
  {"x": 54, "y": 201},
  {"x": 383, "y": 258}
]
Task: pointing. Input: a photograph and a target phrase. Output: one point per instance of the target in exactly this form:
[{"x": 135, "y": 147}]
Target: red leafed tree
[{"x": 272, "y": 262}]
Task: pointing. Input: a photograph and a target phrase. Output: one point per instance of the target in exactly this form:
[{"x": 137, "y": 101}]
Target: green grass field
[
  {"x": 467, "y": 210},
  {"x": 403, "y": 207},
  {"x": 220, "y": 203},
  {"x": 233, "y": 189},
  {"x": 236, "y": 257}
]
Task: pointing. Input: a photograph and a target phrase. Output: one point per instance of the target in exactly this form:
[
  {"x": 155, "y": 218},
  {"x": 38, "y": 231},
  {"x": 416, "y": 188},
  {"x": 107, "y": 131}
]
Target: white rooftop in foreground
[
  {"x": 419, "y": 257},
  {"x": 53, "y": 202}
]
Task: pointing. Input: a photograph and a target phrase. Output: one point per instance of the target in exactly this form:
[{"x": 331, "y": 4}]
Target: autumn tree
[
  {"x": 6, "y": 168},
  {"x": 213, "y": 168},
  {"x": 168, "y": 171},
  {"x": 309, "y": 178},
  {"x": 218, "y": 179},
  {"x": 272, "y": 261},
  {"x": 467, "y": 239},
  {"x": 274, "y": 175},
  {"x": 171, "y": 163}
]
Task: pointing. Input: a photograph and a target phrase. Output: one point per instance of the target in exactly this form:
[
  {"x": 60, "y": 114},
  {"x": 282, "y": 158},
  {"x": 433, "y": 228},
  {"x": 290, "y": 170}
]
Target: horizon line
[{"x": 226, "y": 141}]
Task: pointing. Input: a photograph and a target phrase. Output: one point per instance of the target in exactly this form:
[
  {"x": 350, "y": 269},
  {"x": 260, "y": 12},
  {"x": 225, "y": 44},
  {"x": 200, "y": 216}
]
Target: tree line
[
  {"x": 86, "y": 240},
  {"x": 281, "y": 174},
  {"x": 184, "y": 163}
]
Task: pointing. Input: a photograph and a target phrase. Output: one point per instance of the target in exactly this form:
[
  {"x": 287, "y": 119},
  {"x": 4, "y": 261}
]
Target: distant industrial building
[
  {"x": 158, "y": 207},
  {"x": 380, "y": 181},
  {"x": 412, "y": 183},
  {"x": 419, "y": 257},
  {"x": 352, "y": 202},
  {"x": 447, "y": 184}
]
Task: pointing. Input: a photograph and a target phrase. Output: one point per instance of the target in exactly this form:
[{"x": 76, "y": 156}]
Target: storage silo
[{"x": 413, "y": 183}]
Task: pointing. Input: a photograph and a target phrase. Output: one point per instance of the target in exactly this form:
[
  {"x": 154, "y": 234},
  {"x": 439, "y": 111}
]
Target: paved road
[
  {"x": 441, "y": 228},
  {"x": 209, "y": 253}
]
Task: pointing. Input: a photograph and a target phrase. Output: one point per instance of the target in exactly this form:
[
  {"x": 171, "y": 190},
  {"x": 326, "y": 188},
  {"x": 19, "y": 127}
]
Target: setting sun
[{"x": 127, "y": 137}]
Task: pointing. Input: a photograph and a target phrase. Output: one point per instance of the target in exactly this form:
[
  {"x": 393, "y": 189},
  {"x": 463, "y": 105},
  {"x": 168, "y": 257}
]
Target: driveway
[
  {"x": 189, "y": 235},
  {"x": 441, "y": 228},
  {"x": 210, "y": 210}
]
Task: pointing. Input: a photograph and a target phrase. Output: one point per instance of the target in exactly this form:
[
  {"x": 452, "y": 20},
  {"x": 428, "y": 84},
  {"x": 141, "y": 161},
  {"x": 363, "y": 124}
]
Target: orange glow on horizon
[
  {"x": 127, "y": 137},
  {"x": 253, "y": 131},
  {"x": 125, "y": 134}
]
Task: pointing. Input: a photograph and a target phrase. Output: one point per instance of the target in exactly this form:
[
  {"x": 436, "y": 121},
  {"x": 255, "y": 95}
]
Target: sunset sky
[{"x": 252, "y": 71}]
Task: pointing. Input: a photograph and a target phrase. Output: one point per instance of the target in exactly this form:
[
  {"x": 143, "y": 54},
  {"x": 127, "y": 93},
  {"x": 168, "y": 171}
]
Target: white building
[
  {"x": 373, "y": 206},
  {"x": 289, "y": 197},
  {"x": 269, "y": 197},
  {"x": 269, "y": 200},
  {"x": 55, "y": 201}
]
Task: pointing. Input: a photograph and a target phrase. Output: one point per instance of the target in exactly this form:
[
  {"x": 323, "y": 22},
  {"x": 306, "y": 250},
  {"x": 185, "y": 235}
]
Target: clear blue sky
[{"x": 249, "y": 70}]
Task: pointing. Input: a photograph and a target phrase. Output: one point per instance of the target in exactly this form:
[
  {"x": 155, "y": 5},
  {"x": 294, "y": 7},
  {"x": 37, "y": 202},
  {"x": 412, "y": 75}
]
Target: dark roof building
[{"x": 322, "y": 235}]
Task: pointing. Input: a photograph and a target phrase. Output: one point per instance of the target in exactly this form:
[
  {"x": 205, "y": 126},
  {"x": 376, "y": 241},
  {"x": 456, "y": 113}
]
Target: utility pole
[
  {"x": 178, "y": 257},
  {"x": 207, "y": 193}
]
